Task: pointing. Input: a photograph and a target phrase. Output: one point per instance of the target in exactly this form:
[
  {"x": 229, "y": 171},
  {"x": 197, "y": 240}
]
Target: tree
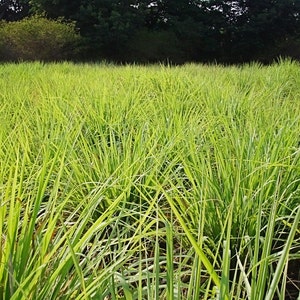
[
  {"x": 262, "y": 24},
  {"x": 224, "y": 30},
  {"x": 13, "y": 10},
  {"x": 105, "y": 24}
]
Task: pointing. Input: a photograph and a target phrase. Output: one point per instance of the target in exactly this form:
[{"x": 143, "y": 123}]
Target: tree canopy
[
  {"x": 200, "y": 30},
  {"x": 12, "y": 10}
]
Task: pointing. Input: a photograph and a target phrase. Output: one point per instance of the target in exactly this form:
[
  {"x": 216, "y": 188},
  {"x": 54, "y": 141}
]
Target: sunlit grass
[{"x": 149, "y": 182}]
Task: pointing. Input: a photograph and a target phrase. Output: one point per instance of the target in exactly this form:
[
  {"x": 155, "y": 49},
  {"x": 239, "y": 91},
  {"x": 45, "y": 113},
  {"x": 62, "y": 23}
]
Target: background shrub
[{"x": 37, "y": 38}]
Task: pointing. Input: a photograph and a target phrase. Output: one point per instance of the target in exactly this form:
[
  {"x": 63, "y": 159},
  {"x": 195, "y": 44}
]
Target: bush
[{"x": 37, "y": 38}]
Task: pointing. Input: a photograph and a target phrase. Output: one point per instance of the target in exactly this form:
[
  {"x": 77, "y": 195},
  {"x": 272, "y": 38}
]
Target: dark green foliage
[
  {"x": 151, "y": 46},
  {"x": 12, "y": 10},
  {"x": 181, "y": 30},
  {"x": 264, "y": 26},
  {"x": 37, "y": 38},
  {"x": 106, "y": 25}
]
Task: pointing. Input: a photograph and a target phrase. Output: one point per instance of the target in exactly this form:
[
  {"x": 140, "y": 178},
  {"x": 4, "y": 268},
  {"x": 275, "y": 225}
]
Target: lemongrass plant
[{"x": 150, "y": 182}]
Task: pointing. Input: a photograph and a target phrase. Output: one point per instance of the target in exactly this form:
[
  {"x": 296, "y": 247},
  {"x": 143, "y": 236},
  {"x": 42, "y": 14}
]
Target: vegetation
[
  {"x": 149, "y": 183},
  {"x": 200, "y": 30},
  {"x": 37, "y": 38}
]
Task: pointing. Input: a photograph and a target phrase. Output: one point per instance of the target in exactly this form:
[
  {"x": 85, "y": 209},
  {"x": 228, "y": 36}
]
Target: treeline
[{"x": 150, "y": 31}]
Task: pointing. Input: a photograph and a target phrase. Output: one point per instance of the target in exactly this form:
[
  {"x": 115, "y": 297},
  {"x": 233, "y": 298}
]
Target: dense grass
[{"x": 149, "y": 182}]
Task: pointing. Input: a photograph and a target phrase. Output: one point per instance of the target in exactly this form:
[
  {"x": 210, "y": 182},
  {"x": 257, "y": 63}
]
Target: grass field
[{"x": 152, "y": 182}]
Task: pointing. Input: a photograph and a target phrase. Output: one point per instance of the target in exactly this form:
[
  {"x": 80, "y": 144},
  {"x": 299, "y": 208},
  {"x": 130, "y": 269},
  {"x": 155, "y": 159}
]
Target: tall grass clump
[{"x": 149, "y": 182}]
